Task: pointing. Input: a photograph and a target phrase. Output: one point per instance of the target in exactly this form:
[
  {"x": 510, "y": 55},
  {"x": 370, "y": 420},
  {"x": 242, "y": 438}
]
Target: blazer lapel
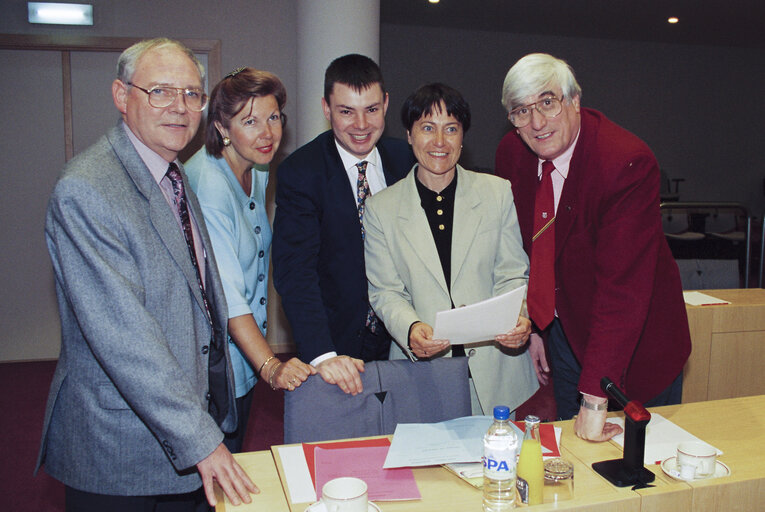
[
  {"x": 160, "y": 214},
  {"x": 415, "y": 228},
  {"x": 567, "y": 206},
  {"x": 466, "y": 221},
  {"x": 337, "y": 179}
]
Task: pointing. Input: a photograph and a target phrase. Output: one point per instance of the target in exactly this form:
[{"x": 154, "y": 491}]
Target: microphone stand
[{"x": 629, "y": 470}]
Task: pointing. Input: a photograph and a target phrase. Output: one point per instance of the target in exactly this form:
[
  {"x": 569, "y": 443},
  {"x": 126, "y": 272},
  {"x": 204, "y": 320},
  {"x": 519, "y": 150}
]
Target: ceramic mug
[
  {"x": 695, "y": 460},
  {"x": 345, "y": 494}
]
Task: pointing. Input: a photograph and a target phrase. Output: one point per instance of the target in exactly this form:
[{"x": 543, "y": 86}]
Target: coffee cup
[
  {"x": 345, "y": 494},
  {"x": 695, "y": 460}
]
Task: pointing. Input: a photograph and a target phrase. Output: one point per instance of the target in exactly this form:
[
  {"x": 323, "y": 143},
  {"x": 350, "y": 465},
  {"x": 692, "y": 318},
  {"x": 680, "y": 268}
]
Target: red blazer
[{"x": 618, "y": 292}]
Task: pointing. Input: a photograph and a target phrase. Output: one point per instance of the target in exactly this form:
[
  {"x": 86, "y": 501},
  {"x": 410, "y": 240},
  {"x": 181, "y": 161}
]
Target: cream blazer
[{"x": 406, "y": 283}]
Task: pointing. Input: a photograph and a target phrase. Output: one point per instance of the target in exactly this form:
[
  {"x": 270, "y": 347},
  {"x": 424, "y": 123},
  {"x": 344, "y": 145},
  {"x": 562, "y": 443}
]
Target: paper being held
[{"x": 480, "y": 321}]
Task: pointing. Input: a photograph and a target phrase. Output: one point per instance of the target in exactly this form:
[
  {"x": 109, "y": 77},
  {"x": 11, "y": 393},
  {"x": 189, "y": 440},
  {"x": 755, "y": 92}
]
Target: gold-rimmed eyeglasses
[
  {"x": 161, "y": 96},
  {"x": 549, "y": 106}
]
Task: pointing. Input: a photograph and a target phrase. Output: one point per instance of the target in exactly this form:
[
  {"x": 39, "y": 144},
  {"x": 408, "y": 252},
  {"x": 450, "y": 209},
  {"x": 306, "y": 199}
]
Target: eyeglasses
[
  {"x": 549, "y": 106},
  {"x": 161, "y": 96}
]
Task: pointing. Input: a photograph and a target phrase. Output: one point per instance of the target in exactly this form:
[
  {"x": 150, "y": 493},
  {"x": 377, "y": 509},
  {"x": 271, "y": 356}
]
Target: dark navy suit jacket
[{"x": 318, "y": 253}]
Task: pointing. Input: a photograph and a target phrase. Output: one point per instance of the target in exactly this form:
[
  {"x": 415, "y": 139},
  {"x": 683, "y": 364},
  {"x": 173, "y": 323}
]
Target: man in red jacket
[{"x": 603, "y": 287}]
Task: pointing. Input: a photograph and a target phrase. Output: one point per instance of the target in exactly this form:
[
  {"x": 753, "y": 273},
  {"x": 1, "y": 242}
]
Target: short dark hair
[
  {"x": 428, "y": 98},
  {"x": 354, "y": 70},
  {"x": 232, "y": 94}
]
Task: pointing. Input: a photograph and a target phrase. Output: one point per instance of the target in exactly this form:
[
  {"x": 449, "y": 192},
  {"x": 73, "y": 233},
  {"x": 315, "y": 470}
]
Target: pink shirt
[
  {"x": 560, "y": 173},
  {"x": 158, "y": 169}
]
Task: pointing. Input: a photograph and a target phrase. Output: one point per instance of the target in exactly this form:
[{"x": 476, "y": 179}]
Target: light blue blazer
[
  {"x": 406, "y": 283},
  {"x": 127, "y": 409}
]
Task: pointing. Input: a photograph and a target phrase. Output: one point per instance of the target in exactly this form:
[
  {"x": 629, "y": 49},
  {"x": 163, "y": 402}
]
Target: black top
[{"x": 439, "y": 209}]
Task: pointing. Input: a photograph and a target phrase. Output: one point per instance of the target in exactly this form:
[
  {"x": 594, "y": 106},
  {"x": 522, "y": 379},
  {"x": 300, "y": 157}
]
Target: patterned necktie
[
  {"x": 174, "y": 175},
  {"x": 541, "y": 296},
  {"x": 362, "y": 192}
]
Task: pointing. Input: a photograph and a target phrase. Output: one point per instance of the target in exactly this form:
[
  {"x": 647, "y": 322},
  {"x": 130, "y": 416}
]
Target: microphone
[{"x": 632, "y": 408}]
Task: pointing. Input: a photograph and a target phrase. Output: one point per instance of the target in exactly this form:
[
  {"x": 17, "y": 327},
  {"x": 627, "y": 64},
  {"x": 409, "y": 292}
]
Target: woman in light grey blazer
[{"x": 445, "y": 237}]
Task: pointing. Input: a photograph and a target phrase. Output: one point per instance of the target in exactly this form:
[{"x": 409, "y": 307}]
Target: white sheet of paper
[
  {"x": 430, "y": 444},
  {"x": 296, "y": 471},
  {"x": 702, "y": 299},
  {"x": 480, "y": 321},
  {"x": 661, "y": 438}
]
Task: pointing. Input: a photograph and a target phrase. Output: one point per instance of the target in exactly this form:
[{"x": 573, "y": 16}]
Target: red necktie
[{"x": 541, "y": 296}]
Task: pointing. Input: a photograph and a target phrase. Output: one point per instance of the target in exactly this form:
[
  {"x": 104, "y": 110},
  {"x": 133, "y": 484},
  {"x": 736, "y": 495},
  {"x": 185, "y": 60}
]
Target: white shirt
[{"x": 376, "y": 180}]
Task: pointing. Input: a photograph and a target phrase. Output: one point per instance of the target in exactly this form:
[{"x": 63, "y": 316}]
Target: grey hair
[
  {"x": 129, "y": 58},
  {"x": 535, "y": 73}
]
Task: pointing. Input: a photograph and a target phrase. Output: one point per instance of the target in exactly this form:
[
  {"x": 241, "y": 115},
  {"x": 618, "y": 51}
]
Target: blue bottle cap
[{"x": 501, "y": 412}]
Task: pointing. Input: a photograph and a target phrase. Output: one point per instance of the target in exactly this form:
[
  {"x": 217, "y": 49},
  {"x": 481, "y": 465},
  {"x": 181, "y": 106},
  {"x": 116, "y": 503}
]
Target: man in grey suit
[{"x": 142, "y": 389}]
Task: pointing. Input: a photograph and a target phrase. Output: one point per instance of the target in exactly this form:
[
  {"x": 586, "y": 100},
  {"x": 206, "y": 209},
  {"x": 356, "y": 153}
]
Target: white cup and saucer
[
  {"x": 694, "y": 461},
  {"x": 344, "y": 494}
]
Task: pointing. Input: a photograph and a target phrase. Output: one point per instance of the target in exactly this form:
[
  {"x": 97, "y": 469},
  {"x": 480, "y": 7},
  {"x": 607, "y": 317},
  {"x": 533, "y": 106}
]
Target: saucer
[
  {"x": 669, "y": 466},
  {"x": 319, "y": 507}
]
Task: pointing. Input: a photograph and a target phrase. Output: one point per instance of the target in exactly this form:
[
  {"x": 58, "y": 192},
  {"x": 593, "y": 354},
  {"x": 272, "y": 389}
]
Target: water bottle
[{"x": 500, "y": 446}]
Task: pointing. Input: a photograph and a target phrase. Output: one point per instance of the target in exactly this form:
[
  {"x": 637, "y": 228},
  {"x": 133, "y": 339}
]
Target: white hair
[
  {"x": 535, "y": 73},
  {"x": 129, "y": 58}
]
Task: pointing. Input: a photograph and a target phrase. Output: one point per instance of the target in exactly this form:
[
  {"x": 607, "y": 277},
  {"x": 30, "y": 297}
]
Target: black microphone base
[{"x": 616, "y": 472}]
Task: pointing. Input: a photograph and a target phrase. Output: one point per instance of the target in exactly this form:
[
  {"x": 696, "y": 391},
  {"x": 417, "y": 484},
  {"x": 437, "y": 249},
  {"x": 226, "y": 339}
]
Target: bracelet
[
  {"x": 595, "y": 407},
  {"x": 271, "y": 376},
  {"x": 264, "y": 364}
]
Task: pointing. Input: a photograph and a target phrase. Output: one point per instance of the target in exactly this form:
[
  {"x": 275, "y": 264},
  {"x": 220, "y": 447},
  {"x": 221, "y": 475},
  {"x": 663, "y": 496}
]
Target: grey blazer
[
  {"x": 127, "y": 409},
  {"x": 406, "y": 283}
]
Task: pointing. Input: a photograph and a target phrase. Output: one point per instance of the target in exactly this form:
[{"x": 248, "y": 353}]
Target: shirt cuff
[{"x": 322, "y": 358}]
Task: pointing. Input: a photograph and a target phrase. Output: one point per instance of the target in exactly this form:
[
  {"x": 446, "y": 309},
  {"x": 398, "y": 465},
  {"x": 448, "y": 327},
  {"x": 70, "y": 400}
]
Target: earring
[{"x": 226, "y": 141}]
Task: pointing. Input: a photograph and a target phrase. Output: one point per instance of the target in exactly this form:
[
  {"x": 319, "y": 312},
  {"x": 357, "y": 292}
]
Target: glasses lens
[
  {"x": 195, "y": 99},
  {"x": 520, "y": 117},
  {"x": 550, "y": 107},
  {"x": 161, "y": 97}
]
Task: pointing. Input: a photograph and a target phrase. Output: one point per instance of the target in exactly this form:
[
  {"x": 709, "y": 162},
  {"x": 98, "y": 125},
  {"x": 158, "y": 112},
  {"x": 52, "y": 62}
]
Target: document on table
[
  {"x": 306, "y": 467},
  {"x": 661, "y": 438},
  {"x": 480, "y": 321},
  {"x": 366, "y": 463},
  {"x": 702, "y": 299},
  {"x": 430, "y": 444}
]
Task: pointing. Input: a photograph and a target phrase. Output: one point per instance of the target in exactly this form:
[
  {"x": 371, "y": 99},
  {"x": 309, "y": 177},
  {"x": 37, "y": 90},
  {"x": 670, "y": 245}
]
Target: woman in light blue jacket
[{"x": 230, "y": 175}]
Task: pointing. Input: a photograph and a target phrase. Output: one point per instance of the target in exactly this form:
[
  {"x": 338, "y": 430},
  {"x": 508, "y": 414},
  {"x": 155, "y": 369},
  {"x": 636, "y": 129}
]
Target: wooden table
[
  {"x": 735, "y": 426},
  {"x": 262, "y": 470},
  {"x": 728, "y": 345}
]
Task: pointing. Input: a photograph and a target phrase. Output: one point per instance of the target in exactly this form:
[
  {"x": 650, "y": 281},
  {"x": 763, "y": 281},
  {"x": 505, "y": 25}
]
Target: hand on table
[
  {"x": 517, "y": 337},
  {"x": 344, "y": 372},
  {"x": 591, "y": 425},
  {"x": 421, "y": 341},
  {"x": 220, "y": 466},
  {"x": 291, "y": 374}
]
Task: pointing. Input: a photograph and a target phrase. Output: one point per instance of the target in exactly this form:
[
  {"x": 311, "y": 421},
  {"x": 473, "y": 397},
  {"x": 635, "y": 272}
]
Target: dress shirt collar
[
  {"x": 563, "y": 162},
  {"x": 350, "y": 161},
  {"x": 156, "y": 164}
]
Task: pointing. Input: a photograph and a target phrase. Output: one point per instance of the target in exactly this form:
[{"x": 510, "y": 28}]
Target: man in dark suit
[
  {"x": 143, "y": 388},
  {"x": 603, "y": 287},
  {"x": 318, "y": 246}
]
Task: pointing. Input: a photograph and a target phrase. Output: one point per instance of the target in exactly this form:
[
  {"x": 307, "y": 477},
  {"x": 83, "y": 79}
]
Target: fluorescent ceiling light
[
  {"x": 672, "y": 20},
  {"x": 60, "y": 14}
]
